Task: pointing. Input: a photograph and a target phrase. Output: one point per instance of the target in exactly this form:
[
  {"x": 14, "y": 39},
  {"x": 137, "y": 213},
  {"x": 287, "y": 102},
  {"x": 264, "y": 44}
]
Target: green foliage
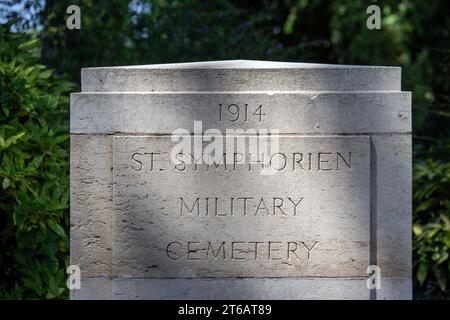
[
  {"x": 432, "y": 228},
  {"x": 34, "y": 195}
]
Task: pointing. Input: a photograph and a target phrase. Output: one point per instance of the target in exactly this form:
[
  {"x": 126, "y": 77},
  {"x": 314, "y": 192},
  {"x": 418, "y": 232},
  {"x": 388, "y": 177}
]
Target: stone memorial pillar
[{"x": 169, "y": 201}]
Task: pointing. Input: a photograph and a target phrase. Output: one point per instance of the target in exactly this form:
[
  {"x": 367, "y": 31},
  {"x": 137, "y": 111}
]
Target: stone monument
[{"x": 241, "y": 180}]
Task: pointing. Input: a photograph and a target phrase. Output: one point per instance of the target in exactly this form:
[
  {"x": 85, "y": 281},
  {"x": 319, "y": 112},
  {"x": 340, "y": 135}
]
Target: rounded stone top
[{"x": 240, "y": 75}]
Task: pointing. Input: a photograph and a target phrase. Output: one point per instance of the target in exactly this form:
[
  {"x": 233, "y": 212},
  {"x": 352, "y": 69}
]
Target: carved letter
[
  {"x": 295, "y": 204},
  {"x": 169, "y": 252},
  {"x": 192, "y": 209}
]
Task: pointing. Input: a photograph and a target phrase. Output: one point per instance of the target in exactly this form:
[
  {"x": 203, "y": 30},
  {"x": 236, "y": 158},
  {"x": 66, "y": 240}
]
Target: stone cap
[{"x": 240, "y": 75}]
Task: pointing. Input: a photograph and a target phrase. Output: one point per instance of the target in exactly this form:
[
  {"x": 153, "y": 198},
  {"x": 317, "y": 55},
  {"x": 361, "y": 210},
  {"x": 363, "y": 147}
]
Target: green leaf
[
  {"x": 6, "y": 111},
  {"x": 422, "y": 273},
  {"x": 45, "y": 74},
  {"x": 35, "y": 163},
  {"x": 11, "y": 141},
  {"x": 56, "y": 228},
  {"x": 6, "y": 183},
  {"x": 417, "y": 229},
  {"x": 29, "y": 44},
  {"x": 61, "y": 139},
  {"x": 441, "y": 278}
]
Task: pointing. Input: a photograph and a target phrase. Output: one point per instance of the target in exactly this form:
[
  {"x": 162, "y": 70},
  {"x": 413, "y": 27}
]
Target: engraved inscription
[
  {"x": 234, "y": 112},
  {"x": 306, "y": 161},
  {"x": 189, "y": 219},
  {"x": 239, "y": 250},
  {"x": 244, "y": 206}
]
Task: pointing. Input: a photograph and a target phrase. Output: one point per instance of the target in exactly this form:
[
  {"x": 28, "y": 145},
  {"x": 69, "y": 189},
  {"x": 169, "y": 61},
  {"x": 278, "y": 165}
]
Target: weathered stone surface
[
  {"x": 306, "y": 113},
  {"x": 395, "y": 289},
  {"x": 392, "y": 195},
  {"x": 240, "y": 75},
  {"x": 93, "y": 289},
  {"x": 91, "y": 204},
  {"x": 242, "y": 289},
  {"x": 309, "y": 219}
]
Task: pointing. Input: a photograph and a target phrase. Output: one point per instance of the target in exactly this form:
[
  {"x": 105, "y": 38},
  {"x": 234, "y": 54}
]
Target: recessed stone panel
[{"x": 309, "y": 217}]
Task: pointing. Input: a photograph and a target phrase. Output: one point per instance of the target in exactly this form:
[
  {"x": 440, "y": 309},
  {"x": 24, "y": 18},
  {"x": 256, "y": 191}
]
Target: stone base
[{"x": 241, "y": 289}]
